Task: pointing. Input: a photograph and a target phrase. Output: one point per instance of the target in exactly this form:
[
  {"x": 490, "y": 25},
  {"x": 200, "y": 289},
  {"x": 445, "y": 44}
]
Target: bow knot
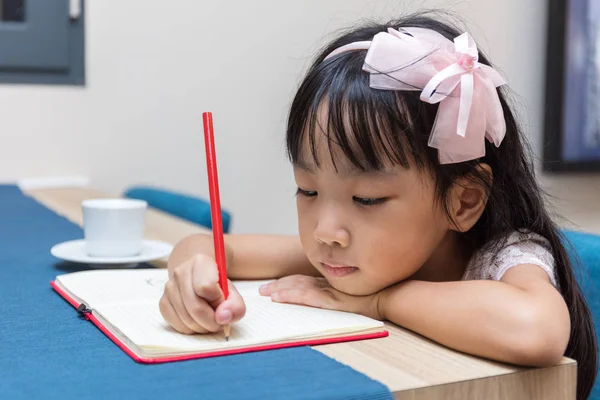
[
  {"x": 467, "y": 62},
  {"x": 446, "y": 72}
]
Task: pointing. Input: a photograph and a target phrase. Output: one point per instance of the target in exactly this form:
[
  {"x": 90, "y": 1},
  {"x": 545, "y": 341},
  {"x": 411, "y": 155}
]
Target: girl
[{"x": 416, "y": 204}]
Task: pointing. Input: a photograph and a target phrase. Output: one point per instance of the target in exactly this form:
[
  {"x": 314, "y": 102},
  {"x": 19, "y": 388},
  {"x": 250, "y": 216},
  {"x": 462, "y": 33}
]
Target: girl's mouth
[{"x": 337, "y": 270}]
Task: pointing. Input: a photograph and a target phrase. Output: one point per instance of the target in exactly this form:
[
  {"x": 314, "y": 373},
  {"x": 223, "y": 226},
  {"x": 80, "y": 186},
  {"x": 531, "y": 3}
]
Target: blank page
[{"x": 103, "y": 287}]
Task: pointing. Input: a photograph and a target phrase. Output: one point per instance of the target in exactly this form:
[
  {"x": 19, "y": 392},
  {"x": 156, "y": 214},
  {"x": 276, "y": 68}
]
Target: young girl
[{"x": 416, "y": 204}]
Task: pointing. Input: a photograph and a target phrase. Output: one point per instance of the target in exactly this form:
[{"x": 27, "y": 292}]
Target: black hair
[{"x": 368, "y": 125}]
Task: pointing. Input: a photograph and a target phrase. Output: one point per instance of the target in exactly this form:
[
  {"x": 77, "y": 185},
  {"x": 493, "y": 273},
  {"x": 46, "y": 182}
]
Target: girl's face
[{"x": 365, "y": 231}]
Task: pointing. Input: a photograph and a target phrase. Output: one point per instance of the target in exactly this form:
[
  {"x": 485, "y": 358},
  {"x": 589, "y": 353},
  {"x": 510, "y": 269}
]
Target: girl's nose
[{"x": 331, "y": 231}]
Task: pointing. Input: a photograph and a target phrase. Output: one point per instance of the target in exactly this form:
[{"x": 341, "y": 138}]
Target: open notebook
[{"x": 124, "y": 305}]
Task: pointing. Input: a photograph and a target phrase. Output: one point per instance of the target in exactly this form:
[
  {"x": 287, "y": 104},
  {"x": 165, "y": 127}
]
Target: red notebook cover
[{"x": 156, "y": 360}]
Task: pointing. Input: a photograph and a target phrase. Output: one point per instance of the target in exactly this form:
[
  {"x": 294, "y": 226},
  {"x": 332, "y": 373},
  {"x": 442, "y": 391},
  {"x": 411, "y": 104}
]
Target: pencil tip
[{"x": 227, "y": 331}]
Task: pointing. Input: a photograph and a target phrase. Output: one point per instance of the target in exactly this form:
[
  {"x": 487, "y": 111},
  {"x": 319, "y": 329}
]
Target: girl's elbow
[
  {"x": 544, "y": 341},
  {"x": 541, "y": 352}
]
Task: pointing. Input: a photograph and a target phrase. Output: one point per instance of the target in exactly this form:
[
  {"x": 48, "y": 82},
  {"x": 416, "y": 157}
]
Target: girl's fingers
[
  {"x": 197, "y": 308},
  {"x": 204, "y": 277},
  {"x": 312, "y": 298},
  {"x": 289, "y": 282},
  {"x": 231, "y": 310},
  {"x": 174, "y": 296},
  {"x": 169, "y": 314}
]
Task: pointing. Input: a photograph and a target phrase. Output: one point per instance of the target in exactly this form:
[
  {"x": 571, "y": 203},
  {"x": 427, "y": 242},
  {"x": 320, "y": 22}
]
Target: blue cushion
[
  {"x": 190, "y": 208},
  {"x": 584, "y": 251}
]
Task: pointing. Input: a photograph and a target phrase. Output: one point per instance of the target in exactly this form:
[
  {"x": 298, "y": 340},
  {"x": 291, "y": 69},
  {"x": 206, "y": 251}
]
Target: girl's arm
[
  {"x": 249, "y": 256},
  {"x": 521, "y": 319}
]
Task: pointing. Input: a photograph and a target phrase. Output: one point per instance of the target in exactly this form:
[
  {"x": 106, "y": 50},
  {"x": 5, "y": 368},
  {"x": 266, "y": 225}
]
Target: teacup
[{"x": 113, "y": 227}]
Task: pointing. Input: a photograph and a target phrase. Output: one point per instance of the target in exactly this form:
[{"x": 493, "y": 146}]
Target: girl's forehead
[
  {"x": 328, "y": 156},
  {"x": 318, "y": 150},
  {"x": 325, "y": 149}
]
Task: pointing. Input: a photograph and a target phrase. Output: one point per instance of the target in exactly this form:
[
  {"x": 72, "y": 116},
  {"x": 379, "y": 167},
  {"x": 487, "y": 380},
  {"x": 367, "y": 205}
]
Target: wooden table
[{"x": 411, "y": 366}]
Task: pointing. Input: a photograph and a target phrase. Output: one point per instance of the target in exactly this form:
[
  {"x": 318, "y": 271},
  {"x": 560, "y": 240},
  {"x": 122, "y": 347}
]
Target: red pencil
[{"x": 215, "y": 205}]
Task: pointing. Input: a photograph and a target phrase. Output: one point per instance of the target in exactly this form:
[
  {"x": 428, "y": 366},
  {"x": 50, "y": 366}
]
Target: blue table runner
[{"x": 48, "y": 351}]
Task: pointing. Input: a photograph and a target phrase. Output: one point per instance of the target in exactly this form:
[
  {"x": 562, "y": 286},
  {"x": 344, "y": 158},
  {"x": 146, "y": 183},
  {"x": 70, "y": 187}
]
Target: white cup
[{"x": 113, "y": 227}]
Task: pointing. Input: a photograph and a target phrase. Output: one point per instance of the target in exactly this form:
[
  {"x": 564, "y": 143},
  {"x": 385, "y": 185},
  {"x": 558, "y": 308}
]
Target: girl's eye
[
  {"x": 306, "y": 193},
  {"x": 369, "y": 201}
]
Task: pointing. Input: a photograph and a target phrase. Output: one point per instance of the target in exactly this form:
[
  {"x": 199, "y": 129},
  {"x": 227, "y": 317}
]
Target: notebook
[{"x": 123, "y": 304}]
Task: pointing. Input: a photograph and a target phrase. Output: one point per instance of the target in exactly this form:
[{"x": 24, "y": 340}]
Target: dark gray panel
[
  {"x": 41, "y": 41},
  {"x": 73, "y": 74}
]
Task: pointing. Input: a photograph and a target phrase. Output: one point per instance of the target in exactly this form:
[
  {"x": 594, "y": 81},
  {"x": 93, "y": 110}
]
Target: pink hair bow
[{"x": 447, "y": 73}]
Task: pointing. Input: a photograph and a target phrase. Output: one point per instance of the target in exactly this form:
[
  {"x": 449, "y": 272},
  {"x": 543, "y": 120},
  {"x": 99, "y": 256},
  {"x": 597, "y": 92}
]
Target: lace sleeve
[{"x": 520, "y": 248}]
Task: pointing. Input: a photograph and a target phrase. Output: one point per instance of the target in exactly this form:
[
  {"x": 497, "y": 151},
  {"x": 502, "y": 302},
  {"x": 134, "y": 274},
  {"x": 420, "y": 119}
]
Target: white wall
[{"x": 153, "y": 68}]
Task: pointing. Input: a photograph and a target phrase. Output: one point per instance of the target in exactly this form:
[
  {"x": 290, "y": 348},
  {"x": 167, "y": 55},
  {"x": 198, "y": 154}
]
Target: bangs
[{"x": 371, "y": 128}]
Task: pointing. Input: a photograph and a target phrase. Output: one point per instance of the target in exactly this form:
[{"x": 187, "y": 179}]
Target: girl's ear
[{"x": 468, "y": 198}]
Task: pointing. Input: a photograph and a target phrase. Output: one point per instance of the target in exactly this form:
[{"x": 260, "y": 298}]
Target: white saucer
[{"x": 74, "y": 250}]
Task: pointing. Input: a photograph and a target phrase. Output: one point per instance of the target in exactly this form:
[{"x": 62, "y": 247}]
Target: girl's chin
[{"x": 353, "y": 287}]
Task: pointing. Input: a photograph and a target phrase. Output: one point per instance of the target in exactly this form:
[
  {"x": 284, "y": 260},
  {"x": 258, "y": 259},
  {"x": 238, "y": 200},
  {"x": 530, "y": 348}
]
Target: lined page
[
  {"x": 128, "y": 300},
  {"x": 265, "y": 322},
  {"x": 102, "y": 287}
]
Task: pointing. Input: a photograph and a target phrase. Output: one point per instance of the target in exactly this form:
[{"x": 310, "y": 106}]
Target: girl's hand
[
  {"x": 316, "y": 292},
  {"x": 193, "y": 301}
]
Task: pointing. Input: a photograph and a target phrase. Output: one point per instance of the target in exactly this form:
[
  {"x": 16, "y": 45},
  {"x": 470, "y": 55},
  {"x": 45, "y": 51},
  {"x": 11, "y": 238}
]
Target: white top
[{"x": 520, "y": 248}]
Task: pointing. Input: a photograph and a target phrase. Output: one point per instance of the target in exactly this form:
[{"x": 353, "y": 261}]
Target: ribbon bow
[{"x": 447, "y": 73}]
